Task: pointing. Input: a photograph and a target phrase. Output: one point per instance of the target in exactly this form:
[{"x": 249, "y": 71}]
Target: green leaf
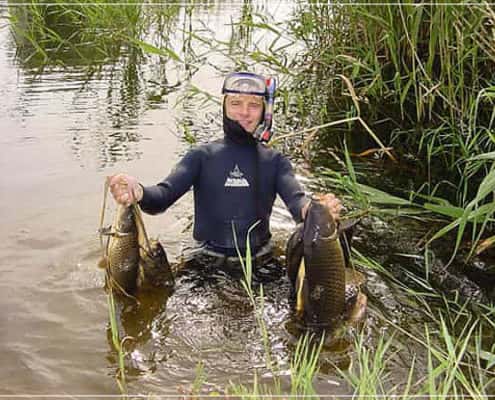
[
  {"x": 380, "y": 197},
  {"x": 454, "y": 212},
  {"x": 162, "y": 51},
  {"x": 489, "y": 357},
  {"x": 484, "y": 156}
]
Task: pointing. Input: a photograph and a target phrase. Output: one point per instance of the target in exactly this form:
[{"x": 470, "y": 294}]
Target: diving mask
[{"x": 244, "y": 83}]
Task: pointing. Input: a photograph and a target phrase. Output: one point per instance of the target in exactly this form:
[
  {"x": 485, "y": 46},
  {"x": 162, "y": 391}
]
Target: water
[{"x": 63, "y": 132}]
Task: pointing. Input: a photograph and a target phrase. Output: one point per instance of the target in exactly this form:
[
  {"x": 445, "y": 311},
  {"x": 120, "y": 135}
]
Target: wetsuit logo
[{"x": 236, "y": 178}]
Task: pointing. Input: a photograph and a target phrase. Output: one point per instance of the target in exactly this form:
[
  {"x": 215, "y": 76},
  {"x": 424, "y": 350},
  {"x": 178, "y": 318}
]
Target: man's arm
[
  {"x": 290, "y": 190},
  {"x": 294, "y": 197},
  {"x": 157, "y": 198}
]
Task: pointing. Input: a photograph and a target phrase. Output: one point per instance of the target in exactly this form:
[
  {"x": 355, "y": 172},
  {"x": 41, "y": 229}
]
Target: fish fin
[
  {"x": 110, "y": 231},
  {"x": 348, "y": 224},
  {"x": 105, "y": 230},
  {"x": 357, "y": 311},
  {"x": 140, "y": 277},
  {"x": 301, "y": 274},
  {"x": 346, "y": 232},
  {"x": 146, "y": 252},
  {"x": 103, "y": 263},
  {"x": 294, "y": 252},
  {"x": 111, "y": 284}
]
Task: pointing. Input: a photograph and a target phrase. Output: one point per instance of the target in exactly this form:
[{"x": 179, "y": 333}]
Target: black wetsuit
[{"x": 235, "y": 182}]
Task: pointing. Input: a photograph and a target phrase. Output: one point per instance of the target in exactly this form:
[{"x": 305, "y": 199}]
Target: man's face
[{"x": 246, "y": 109}]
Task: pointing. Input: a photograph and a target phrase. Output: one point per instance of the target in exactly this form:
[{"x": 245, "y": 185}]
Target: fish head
[
  {"x": 155, "y": 270},
  {"x": 156, "y": 256},
  {"x": 319, "y": 223},
  {"x": 124, "y": 219}
]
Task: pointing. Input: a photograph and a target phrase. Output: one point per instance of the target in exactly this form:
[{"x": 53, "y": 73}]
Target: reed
[
  {"x": 422, "y": 73},
  {"x": 450, "y": 353},
  {"x": 117, "y": 343},
  {"x": 59, "y": 34}
]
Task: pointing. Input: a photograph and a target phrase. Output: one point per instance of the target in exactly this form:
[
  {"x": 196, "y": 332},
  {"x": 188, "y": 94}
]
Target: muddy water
[{"x": 62, "y": 133}]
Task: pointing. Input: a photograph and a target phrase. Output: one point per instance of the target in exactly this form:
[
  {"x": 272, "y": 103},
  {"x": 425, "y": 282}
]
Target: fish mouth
[
  {"x": 333, "y": 236},
  {"x": 109, "y": 231}
]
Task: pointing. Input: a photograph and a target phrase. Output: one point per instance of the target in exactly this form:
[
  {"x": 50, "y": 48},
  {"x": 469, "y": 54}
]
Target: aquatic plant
[
  {"x": 247, "y": 268},
  {"x": 422, "y": 75},
  {"x": 450, "y": 353},
  {"x": 61, "y": 35},
  {"x": 118, "y": 343}
]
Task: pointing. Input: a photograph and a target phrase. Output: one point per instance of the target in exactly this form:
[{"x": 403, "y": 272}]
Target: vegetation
[
  {"x": 59, "y": 34},
  {"x": 453, "y": 349},
  {"x": 422, "y": 77},
  {"x": 305, "y": 359},
  {"x": 414, "y": 77},
  {"x": 117, "y": 342}
]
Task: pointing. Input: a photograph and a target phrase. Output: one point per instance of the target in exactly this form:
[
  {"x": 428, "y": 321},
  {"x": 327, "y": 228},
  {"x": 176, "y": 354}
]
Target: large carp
[
  {"x": 131, "y": 259},
  {"x": 316, "y": 265}
]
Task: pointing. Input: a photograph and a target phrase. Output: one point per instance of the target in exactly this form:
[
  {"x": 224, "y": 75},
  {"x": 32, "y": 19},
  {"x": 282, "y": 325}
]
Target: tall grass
[
  {"x": 59, "y": 34},
  {"x": 117, "y": 342},
  {"x": 450, "y": 353},
  {"x": 423, "y": 76},
  {"x": 257, "y": 302}
]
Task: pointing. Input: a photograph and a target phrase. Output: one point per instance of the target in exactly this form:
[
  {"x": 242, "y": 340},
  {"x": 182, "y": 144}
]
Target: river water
[{"x": 63, "y": 132}]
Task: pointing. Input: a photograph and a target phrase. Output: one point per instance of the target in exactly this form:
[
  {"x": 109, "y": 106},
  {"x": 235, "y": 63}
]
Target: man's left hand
[{"x": 333, "y": 204}]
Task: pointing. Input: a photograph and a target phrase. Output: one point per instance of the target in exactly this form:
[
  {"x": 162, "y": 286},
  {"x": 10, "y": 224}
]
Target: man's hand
[
  {"x": 333, "y": 204},
  {"x": 125, "y": 189}
]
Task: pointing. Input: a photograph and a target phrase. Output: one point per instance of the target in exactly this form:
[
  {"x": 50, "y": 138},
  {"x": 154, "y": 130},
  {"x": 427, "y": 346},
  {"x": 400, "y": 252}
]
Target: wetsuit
[{"x": 235, "y": 182}]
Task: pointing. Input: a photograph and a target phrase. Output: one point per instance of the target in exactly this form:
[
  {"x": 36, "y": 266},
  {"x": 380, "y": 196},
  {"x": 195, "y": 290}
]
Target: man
[{"x": 235, "y": 179}]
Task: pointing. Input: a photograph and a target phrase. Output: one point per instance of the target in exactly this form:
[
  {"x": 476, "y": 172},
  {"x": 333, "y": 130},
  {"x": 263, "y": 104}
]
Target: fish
[
  {"x": 316, "y": 257},
  {"x": 132, "y": 260},
  {"x": 154, "y": 268},
  {"x": 122, "y": 255}
]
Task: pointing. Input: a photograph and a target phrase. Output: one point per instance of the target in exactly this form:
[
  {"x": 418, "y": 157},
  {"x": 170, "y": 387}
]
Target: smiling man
[
  {"x": 235, "y": 179},
  {"x": 245, "y": 109}
]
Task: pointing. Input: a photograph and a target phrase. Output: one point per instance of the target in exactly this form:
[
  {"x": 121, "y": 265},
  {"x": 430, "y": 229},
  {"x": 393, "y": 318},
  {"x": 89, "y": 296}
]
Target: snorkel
[{"x": 264, "y": 132}]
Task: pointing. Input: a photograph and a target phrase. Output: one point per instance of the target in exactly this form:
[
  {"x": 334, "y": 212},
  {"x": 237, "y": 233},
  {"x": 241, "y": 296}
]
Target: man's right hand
[{"x": 125, "y": 189}]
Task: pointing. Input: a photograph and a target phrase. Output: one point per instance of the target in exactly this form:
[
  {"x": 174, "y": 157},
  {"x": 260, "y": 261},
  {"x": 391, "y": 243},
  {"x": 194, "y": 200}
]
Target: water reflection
[
  {"x": 143, "y": 322},
  {"x": 118, "y": 62},
  {"x": 96, "y": 48}
]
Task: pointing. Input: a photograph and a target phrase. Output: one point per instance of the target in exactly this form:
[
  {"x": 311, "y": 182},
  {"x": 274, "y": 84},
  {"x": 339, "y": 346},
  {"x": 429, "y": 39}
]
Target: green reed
[
  {"x": 423, "y": 72},
  {"x": 450, "y": 352},
  {"x": 304, "y": 365},
  {"x": 60, "y": 34},
  {"x": 476, "y": 216},
  {"x": 257, "y": 302},
  {"x": 117, "y": 342}
]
